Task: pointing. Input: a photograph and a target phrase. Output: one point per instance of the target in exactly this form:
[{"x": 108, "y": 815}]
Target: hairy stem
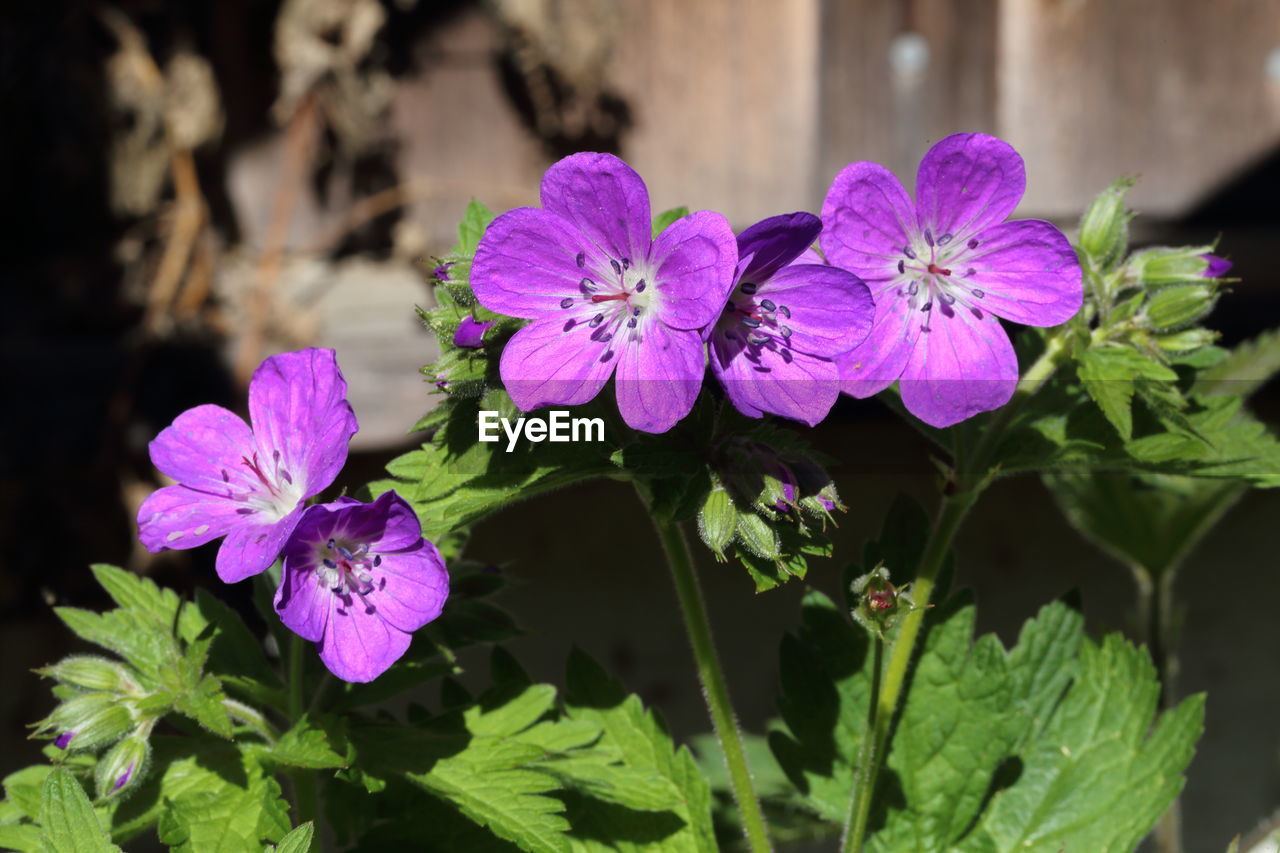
[
  {"x": 304, "y": 781},
  {"x": 973, "y": 472},
  {"x": 860, "y": 806},
  {"x": 714, "y": 688},
  {"x": 251, "y": 717}
]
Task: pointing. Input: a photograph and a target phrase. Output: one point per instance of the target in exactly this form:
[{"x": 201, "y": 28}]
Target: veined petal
[
  {"x": 878, "y": 361},
  {"x": 387, "y": 524},
  {"x": 968, "y": 182},
  {"x": 963, "y": 366},
  {"x": 763, "y": 379},
  {"x": 301, "y": 600},
  {"x": 603, "y": 198},
  {"x": 775, "y": 242},
  {"x": 298, "y": 406},
  {"x": 659, "y": 377},
  {"x": 831, "y": 310},
  {"x": 179, "y": 517},
  {"x": 358, "y": 644},
  {"x": 559, "y": 360},
  {"x": 695, "y": 258},
  {"x": 251, "y": 548},
  {"x": 205, "y": 448},
  {"x": 867, "y": 221},
  {"x": 1028, "y": 271},
  {"x": 415, "y": 588},
  {"x": 527, "y": 262}
]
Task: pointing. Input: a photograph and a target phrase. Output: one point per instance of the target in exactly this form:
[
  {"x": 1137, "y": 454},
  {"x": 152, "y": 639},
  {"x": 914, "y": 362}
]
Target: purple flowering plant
[{"x": 1014, "y": 348}]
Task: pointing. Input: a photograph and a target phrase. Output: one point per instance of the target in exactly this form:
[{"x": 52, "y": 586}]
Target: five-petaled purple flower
[
  {"x": 942, "y": 270},
  {"x": 603, "y": 294},
  {"x": 775, "y": 346},
  {"x": 249, "y": 484},
  {"x": 358, "y": 579}
]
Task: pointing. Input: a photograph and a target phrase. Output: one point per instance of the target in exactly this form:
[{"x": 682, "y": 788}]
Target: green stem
[
  {"x": 973, "y": 472},
  {"x": 304, "y": 781},
  {"x": 252, "y": 718},
  {"x": 714, "y": 687},
  {"x": 860, "y": 805}
]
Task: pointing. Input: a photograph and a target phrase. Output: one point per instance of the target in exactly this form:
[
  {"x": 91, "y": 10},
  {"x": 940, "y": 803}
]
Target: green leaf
[
  {"x": 67, "y": 819},
  {"x": 1098, "y": 776},
  {"x": 24, "y": 838},
  {"x": 310, "y": 745},
  {"x": 235, "y": 651},
  {"x": 643, "y": 744},
  {"x": 1108, "y": 374},
  {"x": 634, "y": 788},
  {"x": 662, "y": 220},
  {"x": 137, "y": 595},
  {"x": 203, "y": 703},
  {"x": 219, "y": 800},
  {"x": 1245, "y": 369},
  {"x": 143, "y": 644},
  {"x": 472, "y": 227},
  {"x": 298, "y": 840}
]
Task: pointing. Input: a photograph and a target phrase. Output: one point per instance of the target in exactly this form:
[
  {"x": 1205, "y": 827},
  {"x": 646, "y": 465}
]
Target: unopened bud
[
  {"x": 1179, "y": 306},
  {"x": 717, "y": 520},
  {"x": 1104, "y": 230},
  {"x": 757, "y": 536},
  {"x": 1165, "y": 265},
  {"x": 88, "y": 720},
  {"x": 1186, "y": 340},
  {"x": 877, "y": 603},
  {"x": 1217, "y": 266},
  {"x": 122, "y": 766},
  {"x": 91, "y": 673}
]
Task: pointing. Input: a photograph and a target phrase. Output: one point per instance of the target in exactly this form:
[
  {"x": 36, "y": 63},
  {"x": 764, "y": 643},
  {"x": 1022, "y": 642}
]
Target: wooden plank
[{"x": 1173, "y": 90}]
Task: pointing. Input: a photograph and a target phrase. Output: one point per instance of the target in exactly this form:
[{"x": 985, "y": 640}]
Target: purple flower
[
  {"x": 64, "y": 740},
  {"x": 470, "y": 332},
  {"x": 124, "y": 779},
  {"x": 604, "y": 295},
  {"x": 775, "y": 346},
  {"x": 441, "y": 272},
  {"x": 358, "y": 579},
  {"x": 249, "y": 484},
  {"x": 942, "y": 270},
  {"x": 1218, "y": 267}
]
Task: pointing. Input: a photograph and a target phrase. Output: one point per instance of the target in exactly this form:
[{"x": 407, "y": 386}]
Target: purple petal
[
  {"x": 250, "y": 549},
  {"x": 359, "y": 645},
  {"x": 603, "y": 198},
  {"x": 179, "y": 517},
  {"x": 64, "y": 740},
  {"x": 877, "y": 362},
  {"x": 810, "y": 256},
  {"x": 1218, "y": 266},
  {"x": 696, "y": 258},
  {"x": 301, "y": 600},
  {"x": 387, "y": 524},
  {"x": 470, "y": 332},
  {"x": 1027, "y": 272},
  {"x": 659, "y": 377},
  {"x": 966, "y": 183},
  {"x": 298, "y": 407},
  {"x": 775, "y": 242},
  {"x": 963, "y": 366},
  {"x": 759, "y": 380},
  {"x": 124, "y": 778},
  {"x": 205, "y": 448},
  {"x": 416, "y": 586},
  {"x": 831, "y": 310},
  {"x": 526, "y": 263},
  {"x": 867, "y": 220},
  {"x": 557, "y": 361}
]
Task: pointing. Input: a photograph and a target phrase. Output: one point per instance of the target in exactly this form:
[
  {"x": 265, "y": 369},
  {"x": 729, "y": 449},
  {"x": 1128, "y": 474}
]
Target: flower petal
[
  {"x": 963, "y": 366},
  {"x": 1218, "y": 266},
  {"x": 1028, "y": 272},
  {"x": 878, "y": 361},
  {"x": 204, "y": 448},
  {"x": 298, "y": 406},
  {"x": 696, "y": 258},
  {"x": 603, "y": 198},
  {"x": 968, "y": 182},
  {"x": 762, "y": 379},
  {"x": 179, "y": 517},
  {"x": 301, "y": 600},
  {"x": 867, "y": 220},
  {"x": 387, "y": 524},
  {"x": 775, "y": 242},
  {"x": 470, "y": 332},
  {"x": 659, "y": 376},
  {"x": 527, "y": 262},
  {"x": 359, "y": 645},
  {"x": 558, "y": 360},
  {"x": 251, "y": 548},
  {"x": 412, "y": 587},
  {"x": 831, "y": 309}
]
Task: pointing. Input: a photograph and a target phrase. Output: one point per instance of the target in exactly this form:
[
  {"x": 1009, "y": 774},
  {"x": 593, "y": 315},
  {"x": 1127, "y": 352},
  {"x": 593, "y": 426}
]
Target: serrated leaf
[
  {"x": 219, "y": 800},
  {"x": 634, "y": 788},
  {"x": 1245, "y": 369},
  {"x": 1108, "y": 374},
  {"x": 308, "y": 745},
  {"x": 67, "y": 819},
  {"x": 204, "y": 704},
  {"x": 234, "y": 650},
  {"x": 137, "y": 595},
  {"x": 298, "y": 840},
  {"x": 472, "y": 227},
  {"x": 144, "y": 644}
]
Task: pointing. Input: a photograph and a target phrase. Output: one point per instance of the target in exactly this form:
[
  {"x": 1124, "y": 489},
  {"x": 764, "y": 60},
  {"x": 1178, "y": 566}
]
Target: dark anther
[
  {"x": 567, "y": 302},
  {"x": 640, "y": 286},
  {"x": 582, "y": 259},
  {"x": 749, "y": 287},
  {"x": 751, "y": 322},
  {"x": 767, "y": 304},
  {"x": 617, "y": 267},
  {"x": 785, "y": 331},
  {"x": 330, "y": 545},
  {"x": 947, "y": 298},
  {"x": 786, "y": 312},
  {"x": 978, "y": 293},
  {"x": 626, "y": 263},
  {"x": 945, "y": 239},
  {"x": 902, "y": 266},
  {"x": 973, "y": 243},
  {"x": 330, "y": 564},
  {"x": 906, "y": 250},
  {"x": 377, "y": 560},
  {"x": 596, "y": 320},
  {"x": 928, "y": 306},
  {"x": 913, "y": 288},
  {"x": 631, "y": 324},
  {"x": 928, "y": 236},
  {"x": 587, "y": 285}
]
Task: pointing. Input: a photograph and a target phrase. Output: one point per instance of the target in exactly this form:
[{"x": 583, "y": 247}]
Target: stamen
[
  {"x": 626, "y": 263},
  {"x": 640, "y": 286},
  {"x": 906, "y": 250},
  {"x": 902, "y": 267},
  {"x": 947, "y": 298},
  {"x": 751, "y": 322},
  {"x": 631, "y": 324},
  {"x": 377, "y": 560},
  {"x": 937, "y": 270},
  {"x": 756, "y": 340},
  {"x": 331, "y": 544},
  {"x": 588, "y": 286},
  {"x": 608, "y": 297},
  {"x": 617, "y": 268},
  {"x": 785, "y": 331},
  {"x": 636, "y": 310},
  {"x": 582, "y": 259},
  {"x": 596, "y": 320},
  {"x": 928, "y": 237},
  {"x": 928, "y": 306},
  {"x": 978, "y": 293},
  {"x": 768, "y": 305},
  {"x": 973, "y": 243},
  {"x": 567, "y": 302},
  {"x": 329, "y": 564},
  {"x": 913, "y": 288},
  {"x": 786, "y": 312},
  {"x": 945, "y": 238},
  {"x": 749, "y": 287}
]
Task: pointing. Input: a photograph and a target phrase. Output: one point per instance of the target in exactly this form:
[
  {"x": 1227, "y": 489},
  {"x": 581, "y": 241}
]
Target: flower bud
[
  {"x": 91, "y": 673},
  {"x": 757, "y": 536},
  {"x": 123, "y": 765},
  {"x": 1104, "y": 230},
  {"x": 88, "y": 720},
  {"x": 1217, "y": 266},
  {"x": 717, "y": 521},
  {"x": 877, "y": 603},
  {"x": 1165, "y": 265},
  {"x": 1186, "y": 340},
  {"x": 1179, "y": 306}
]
